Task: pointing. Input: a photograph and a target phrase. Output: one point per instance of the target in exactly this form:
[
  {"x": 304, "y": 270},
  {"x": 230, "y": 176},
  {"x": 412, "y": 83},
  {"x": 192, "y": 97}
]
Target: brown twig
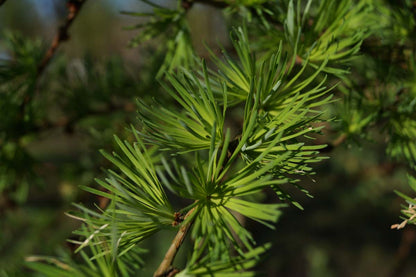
[
  {"x": 165, "y": 268},
  {"x": 74, "y": 6},
  {"x": 403, "y": 252},
  {"x": 334, "y": 144}
]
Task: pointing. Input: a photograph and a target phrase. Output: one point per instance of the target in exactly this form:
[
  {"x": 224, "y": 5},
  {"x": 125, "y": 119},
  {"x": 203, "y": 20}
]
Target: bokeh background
[{"x": 88, "y": 93}]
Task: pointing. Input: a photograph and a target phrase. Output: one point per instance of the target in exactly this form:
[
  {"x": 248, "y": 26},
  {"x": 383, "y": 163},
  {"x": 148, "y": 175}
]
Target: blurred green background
[{"x": 88, "y": 93}]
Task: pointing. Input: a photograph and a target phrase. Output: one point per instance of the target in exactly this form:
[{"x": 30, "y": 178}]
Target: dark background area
[{"x": 343, "y": 231}]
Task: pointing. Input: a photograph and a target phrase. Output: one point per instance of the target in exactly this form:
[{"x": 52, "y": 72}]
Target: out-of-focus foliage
[
  {"x": 79, "y": 91},
  {"x": 173, "y": 25},
  {"x": 18, "y": 81},
  {"x": 228, "y": 140},
  {"x": 51, "y": 125}
]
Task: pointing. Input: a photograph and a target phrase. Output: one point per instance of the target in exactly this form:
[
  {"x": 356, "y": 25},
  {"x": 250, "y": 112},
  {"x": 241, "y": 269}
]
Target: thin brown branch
[
  {"x": 74, "y": 6},
  {"x": 403, "y": 252},
  {"x": 334, "y": 144},
  {"x": 165, "y": 268},
  {"x": 339, "y": 140}
]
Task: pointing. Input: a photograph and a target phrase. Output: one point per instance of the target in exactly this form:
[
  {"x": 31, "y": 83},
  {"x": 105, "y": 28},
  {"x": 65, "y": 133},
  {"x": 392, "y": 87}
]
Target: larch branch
[
  {"x": 165, "y": 267},
  {"x": 74, "y": 6}
]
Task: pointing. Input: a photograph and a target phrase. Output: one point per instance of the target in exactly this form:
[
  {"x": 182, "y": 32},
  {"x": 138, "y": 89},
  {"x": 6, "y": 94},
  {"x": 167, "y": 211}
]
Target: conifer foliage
[{"x": 294, "y": 67}]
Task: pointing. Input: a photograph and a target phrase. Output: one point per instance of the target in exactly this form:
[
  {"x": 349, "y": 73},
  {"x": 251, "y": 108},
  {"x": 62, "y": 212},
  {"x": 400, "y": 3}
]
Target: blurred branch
[
  {"x": 334, "y": 144},
  {"x": 404, "y": 251},
  {"x": 74, "y": 6},
  {"x": 2, "y": 2}
]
